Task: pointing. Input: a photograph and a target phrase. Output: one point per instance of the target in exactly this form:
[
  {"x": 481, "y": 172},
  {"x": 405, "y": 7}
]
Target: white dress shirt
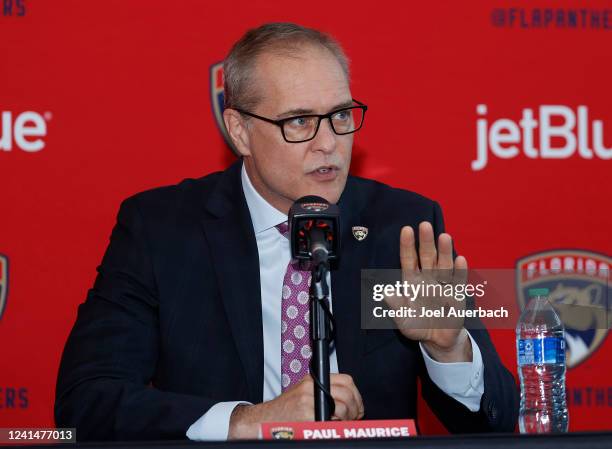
[{"x": 462, "y": 381}]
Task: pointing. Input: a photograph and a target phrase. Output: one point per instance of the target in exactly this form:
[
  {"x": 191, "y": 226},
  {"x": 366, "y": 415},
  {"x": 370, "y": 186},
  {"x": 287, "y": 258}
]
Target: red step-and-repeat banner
[{"x": 501, "y": 111}]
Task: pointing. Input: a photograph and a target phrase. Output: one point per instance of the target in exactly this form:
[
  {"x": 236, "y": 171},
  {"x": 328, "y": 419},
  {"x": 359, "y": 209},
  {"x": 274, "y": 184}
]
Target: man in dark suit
[{"x": 185, "y": 332}]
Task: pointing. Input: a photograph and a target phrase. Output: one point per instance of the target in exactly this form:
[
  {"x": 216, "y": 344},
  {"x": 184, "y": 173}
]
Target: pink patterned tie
[{"x": 295, "y": 328}]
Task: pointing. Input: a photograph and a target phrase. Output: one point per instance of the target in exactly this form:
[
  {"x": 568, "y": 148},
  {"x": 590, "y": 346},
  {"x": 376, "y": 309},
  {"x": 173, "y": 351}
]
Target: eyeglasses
[{"x": 303, "y": 128}]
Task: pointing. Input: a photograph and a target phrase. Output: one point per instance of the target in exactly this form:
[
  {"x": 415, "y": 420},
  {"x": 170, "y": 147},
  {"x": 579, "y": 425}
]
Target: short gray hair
[{"x": 281, "y": 38}]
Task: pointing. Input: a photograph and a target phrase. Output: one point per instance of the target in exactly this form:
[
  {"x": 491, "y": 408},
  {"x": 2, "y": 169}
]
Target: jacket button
[{"x": 492, "y": 411}]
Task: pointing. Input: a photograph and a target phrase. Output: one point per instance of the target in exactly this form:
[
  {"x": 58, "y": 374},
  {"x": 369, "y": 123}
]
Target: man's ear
[{"x": 236, "y": 128}]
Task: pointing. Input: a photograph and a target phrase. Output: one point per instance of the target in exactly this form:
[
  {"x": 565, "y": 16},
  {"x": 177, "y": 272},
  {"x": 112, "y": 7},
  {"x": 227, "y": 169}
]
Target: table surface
[{"x": 583, "y": 440}]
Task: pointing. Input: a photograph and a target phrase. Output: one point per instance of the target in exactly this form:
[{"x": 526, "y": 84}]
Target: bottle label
[{"x": 538, "y": 351}]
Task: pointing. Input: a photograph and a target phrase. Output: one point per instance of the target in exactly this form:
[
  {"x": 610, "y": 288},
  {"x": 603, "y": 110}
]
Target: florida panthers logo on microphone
[
  {"x": 315, "y": 207},
  {"x": 579, "y": 285},
  {"x": 217, "y": 102},
  {"x": 3, "y": 282}
]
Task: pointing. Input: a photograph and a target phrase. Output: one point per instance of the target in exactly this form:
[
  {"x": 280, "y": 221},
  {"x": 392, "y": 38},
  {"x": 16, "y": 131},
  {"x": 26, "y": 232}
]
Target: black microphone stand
[
  {"x": 314, "y": 224},
  {"x": 321, "y": 335}
]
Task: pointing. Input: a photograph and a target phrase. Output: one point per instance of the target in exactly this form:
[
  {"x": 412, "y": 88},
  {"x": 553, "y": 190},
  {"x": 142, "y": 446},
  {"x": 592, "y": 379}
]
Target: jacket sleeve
[
  {"x": 499, "y": 403},
  {"x": 106, "y": 381}
]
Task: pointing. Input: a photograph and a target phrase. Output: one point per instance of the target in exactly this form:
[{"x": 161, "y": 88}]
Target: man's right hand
[{"x": 296, "y": 404}]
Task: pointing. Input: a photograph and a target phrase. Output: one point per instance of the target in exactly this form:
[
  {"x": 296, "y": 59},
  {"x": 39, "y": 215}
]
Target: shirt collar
[{"x": 263, "y": 215}]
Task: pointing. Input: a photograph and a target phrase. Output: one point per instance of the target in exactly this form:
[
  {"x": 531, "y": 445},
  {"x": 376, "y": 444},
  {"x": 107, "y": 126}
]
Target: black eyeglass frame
[{"x": 280, "y": 123}]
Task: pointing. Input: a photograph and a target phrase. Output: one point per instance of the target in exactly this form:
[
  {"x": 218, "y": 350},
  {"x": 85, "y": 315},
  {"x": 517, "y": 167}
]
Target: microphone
[{"x": 314, "y": 226}]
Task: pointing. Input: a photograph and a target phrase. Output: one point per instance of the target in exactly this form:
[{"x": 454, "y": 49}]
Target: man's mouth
[
  {"x": 325, "y": 173},
  {"x": 325, "y": 169}
]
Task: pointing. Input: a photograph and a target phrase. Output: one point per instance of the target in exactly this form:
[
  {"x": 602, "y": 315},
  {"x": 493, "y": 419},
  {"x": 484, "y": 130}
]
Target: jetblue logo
[
  {"x": 559, "y": 18},
  {"x": 217, "y": 102},
  {"x": 580, "y": 291},
  {"x": 549, "y": 132},
  {"x": 25, "y": 131}
]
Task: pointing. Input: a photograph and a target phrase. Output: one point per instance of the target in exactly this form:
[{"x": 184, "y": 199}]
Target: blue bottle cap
[{"x": 533, "y": 292}]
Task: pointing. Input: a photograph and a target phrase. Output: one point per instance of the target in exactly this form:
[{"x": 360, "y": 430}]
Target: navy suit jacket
[{"x": 173, "y": 322}]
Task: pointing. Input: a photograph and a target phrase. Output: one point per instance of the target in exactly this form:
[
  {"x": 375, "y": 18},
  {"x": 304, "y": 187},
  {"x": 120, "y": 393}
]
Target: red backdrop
[{"x": 119, "y": 95}]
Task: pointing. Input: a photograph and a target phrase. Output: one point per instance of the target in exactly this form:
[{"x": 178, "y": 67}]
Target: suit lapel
[
  {"x": 230, "y": 235},
  {"x": 350, "y": 338}
]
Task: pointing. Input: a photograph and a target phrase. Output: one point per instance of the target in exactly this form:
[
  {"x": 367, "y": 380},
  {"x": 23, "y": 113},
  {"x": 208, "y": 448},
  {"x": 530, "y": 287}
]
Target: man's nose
[{"x": 326, "y": 138}]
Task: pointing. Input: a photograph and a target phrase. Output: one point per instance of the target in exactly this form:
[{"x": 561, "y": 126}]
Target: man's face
[{"x": 282, "y": 172}]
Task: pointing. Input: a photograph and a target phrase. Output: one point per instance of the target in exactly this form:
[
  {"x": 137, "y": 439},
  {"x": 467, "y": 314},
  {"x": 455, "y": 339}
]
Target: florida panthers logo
[
  {"x": 3, "y": 282},
  {"x": 282, "y": 433},
  {"x": 360, "y": 232},
  {"x": 579, "y": 284},
  {"x": 217, "y": 102}
]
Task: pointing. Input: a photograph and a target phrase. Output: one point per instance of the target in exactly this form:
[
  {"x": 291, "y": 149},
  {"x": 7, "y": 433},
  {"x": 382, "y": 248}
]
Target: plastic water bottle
[{"x": 541, "y": 365}]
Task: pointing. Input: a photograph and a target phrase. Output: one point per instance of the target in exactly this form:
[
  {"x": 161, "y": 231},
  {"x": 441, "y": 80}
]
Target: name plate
[{"x": 330, "y": 430}]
